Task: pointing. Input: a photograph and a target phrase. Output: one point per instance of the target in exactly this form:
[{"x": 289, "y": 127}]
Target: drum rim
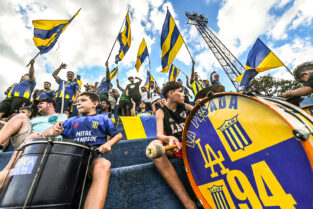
[
  {"x": 283, "y": 116},
  {"x": 306, "y": 106},
  {"x": 299, "y": 109},
  {"x": 58, "y": 142}
]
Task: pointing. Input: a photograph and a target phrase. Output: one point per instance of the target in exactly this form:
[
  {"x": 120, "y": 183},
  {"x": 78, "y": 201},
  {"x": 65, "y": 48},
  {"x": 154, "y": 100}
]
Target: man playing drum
[
  {"x": 302, "y": 73},
  {"x": 20, "y": 129},
  {"x": 94, "y": 130},
  {"x": 170, "y": 124}
]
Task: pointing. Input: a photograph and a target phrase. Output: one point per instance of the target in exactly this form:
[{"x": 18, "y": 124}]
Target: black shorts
[
  {"x": 67, "y": 105},
  {"x": 12, "y": 105},
  {"x": 123, "y": 104}
]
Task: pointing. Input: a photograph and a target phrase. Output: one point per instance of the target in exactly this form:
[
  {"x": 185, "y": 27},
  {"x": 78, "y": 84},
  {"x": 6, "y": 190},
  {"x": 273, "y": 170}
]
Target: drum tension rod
[{"x": 301, "y": 135}]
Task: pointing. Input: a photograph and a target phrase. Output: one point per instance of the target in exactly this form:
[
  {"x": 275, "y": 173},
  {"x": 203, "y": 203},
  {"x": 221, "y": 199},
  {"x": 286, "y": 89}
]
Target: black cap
[{"x": 48, "y": 100}]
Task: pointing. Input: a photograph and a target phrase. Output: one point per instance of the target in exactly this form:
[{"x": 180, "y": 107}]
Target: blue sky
[{"x": 284, "y": 25}]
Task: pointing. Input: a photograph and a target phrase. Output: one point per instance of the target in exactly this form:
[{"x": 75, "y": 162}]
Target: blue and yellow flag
[
  {"x": 149, "y": 78},
  {"x": 113, "y": 73},
  {"x": 125, "y": 40},
  {"x": 172, "y": 75},
  {"x": 78, "y": 80},
  {"x": 260, "y": 59},
  {"x": 142, "y": 54},
  {"x": 47, "y": 32},
  {"x": 171, "y": 41},
  {"x": 139, "y": 127}
]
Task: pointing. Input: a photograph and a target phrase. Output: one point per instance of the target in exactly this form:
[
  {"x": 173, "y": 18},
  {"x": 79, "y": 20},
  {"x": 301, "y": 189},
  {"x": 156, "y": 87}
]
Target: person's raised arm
[
  {"x": 107, "y": 72},
  {"x": 133, "y": 110},
  {"x": 140, "y": 80},
  {"x": 56, "y": 72},
  {"x": 188, "y": 84},
  {"x": 31, "y": 70},
  {"x": 192, "y": 71},
  {"x": 211, "y": 76},
  {"x": 118, "y": 85},
  {"x": 96, "y": 86}
]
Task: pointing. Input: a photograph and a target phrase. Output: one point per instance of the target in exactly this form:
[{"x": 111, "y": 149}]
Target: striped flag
[
  {"x": 173, "y": 73},
  {"x": 113, "y": 73},
  {"x": 124, "y": 39},
  {"x": 149, "y": 78},
  {"x": 260, "y": 59},
  {"x": 142, "y": 54},
  {"x": 171, "y": 41},
  {"x": 47, "y": 32}
]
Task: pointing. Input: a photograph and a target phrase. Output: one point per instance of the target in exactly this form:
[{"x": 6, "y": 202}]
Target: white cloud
[{"x": 241, "y": 22}]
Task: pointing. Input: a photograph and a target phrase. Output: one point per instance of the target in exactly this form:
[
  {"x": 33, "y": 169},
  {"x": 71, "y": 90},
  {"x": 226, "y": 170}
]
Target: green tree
[{"x": 270, "y": 86}]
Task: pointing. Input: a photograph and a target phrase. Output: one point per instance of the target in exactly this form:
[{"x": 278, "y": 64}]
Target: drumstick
[{"x": 157, "y": 150}]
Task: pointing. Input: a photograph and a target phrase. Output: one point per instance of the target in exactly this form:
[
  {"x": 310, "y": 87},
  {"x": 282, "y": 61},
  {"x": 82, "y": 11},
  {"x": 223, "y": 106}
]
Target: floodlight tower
[{"x": 227, "y": 60}]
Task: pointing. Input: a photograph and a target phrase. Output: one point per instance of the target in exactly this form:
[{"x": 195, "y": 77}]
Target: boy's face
[
  {"x": 28, "y": 114},
  {"x": 86, "y": 106},
  {"x": 178, "y": 95}
]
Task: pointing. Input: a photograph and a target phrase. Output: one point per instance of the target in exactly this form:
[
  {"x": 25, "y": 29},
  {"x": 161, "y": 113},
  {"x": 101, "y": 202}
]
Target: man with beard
[{"x": 21, "y": 129}]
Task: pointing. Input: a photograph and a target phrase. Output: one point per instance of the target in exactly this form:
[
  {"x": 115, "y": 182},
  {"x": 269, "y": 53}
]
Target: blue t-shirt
[
  {"x": 215, "y": 82},
  {"x": 92, "y": 130},
  {"x": 104, "y": 86},
  {"x": 23, "y": 89},
  {"x": 46, "y": 93},
  {"x": 70, "y": 89},
  {"x": 143, "y": 113}
]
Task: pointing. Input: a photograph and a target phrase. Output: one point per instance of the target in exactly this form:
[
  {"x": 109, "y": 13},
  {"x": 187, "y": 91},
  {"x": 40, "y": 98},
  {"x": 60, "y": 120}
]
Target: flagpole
[
  {"x": 50, "y": 41},
  {"x": 117, "y": 35}
]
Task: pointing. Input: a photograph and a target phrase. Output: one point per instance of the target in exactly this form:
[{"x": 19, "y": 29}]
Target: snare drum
[
  {"x": 60, "y": 179},
  {"x": 241, "y": 152}
]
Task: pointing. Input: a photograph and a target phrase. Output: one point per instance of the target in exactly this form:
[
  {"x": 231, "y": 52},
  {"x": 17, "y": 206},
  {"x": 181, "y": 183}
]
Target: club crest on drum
[
  {"x": 219, "y": 196},
  {"x": 235, "y": 135}
]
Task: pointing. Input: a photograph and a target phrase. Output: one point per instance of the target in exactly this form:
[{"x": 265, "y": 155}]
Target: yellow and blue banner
[
  {"x": 124, "y": 39},
  {"x": 171, "y": 41},
  {"x": 78, "y": 80},
  {"x": 172, "y": 75},
  {"x": 142, "y": 54},
  {"x": 139, "y": 127},
  {"x": 149, "y": 78},
  {"x": 113, "y": 73},
  {"x": 260, "y": 59},
  {"x": 47, "y": 32}
]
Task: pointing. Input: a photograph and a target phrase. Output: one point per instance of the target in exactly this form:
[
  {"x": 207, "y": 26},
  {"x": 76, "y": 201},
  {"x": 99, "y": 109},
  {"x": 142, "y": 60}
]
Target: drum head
[
  {"x": 240, "y": 152},
  {"x": 215, "y": 89}
]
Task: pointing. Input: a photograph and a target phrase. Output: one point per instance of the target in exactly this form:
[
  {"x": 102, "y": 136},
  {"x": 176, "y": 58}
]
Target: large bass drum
[
  {"x": 49, "y": 174},
  {"x": 241, "y": 152}
]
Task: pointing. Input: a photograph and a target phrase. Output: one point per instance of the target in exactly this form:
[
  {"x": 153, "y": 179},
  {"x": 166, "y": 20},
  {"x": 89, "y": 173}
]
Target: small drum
[
  {"x": 241, "y": 152},
  {"x": 59, "y": 181}
]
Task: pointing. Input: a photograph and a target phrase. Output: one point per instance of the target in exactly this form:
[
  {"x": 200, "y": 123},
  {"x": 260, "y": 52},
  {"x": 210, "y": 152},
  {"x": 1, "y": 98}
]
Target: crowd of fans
[
  {"x": 135, "y": 98},
  {"x": 28, "y": 113}
]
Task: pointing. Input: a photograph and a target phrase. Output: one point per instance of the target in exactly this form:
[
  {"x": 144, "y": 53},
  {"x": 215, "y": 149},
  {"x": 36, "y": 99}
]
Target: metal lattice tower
[{"x": 227, "y": 60}]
